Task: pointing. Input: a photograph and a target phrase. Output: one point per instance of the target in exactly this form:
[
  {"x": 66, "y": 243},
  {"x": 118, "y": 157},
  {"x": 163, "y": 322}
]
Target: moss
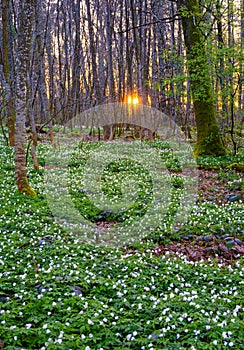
[
  {"x": 208, "y": 136},
  {"x": 236, "y": 166},
  {"x": 209, "y": 146},
  {"x": 27, "y": 190}
]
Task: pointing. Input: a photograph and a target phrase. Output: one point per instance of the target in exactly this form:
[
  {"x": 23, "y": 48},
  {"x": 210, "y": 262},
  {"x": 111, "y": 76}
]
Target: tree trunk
[
  {"x": 76, "y": 69},
  {"x": 129, "y": 52},
  {"x": 25, "y": 30},
  {"x": 221, "y": 60},
  {"x": 208, "y": 134},
  {"x": 6, "y": 69},
  {"x": 96, "y": 84},
  {"x": 109, "y": 24},
  {"x": 241, "y": 90},
  {"x": 121, "y": 64}
]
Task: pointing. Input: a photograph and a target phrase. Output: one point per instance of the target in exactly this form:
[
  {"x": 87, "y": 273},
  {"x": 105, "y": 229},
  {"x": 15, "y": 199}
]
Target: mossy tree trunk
[
  {"x": 25, "y": 32},
  {"x": 208, "y": 133}
]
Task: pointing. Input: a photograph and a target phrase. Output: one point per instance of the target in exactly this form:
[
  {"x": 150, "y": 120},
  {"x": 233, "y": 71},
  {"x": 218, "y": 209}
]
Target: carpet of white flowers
[{"x": 57, "y": 293}]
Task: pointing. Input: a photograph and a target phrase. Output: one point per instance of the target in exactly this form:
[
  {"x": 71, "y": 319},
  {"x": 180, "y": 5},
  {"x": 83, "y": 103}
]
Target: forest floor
[
  {"x": 225, "y": 249},
  {"x": 168, "y": 290},
  {"x": 213, "y": 188}
]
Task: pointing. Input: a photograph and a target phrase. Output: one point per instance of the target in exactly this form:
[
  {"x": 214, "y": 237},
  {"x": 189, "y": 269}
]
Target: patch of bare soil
[
  {"x": 216, "y": 190},
  {"x": 225, "y": 250},
  {"x": 105, "y": 225},
  {"x": 204, "y": 249}
]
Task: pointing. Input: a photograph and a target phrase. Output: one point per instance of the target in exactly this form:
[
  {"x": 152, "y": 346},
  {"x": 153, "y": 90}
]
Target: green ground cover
[{"x": 59, "y": 293}]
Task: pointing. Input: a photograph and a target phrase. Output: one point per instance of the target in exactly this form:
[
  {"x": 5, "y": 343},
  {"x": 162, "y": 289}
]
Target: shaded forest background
[{"x": 85, "y": 53}]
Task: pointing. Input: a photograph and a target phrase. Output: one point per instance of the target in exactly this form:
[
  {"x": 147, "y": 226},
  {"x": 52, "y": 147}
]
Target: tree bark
[
  {"x": 76, "y": 69},
  {"x": 221, "y": 60},
  {"x": 25, "y": 32},
  {"x": 109, "y": 24},
  {"x": 6, "y": 70},
  {"x": 96, "y": 84},
  {"x": 241, "y": 90},
  {"x": 208, "y": 134}
]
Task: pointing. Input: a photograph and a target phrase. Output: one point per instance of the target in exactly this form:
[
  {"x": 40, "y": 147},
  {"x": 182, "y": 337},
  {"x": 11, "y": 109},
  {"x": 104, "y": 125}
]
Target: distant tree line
[{"x": 183, "y": 57}]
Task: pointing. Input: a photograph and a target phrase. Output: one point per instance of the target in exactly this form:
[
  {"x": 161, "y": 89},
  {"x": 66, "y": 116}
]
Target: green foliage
[
  {"x": 59, "y": 293},
  {"x": 211, "y": 162},
  {"x": 159, "y": 144},
  {"x": 177, "y": 181},
  {"x": 114, "y": 175}
]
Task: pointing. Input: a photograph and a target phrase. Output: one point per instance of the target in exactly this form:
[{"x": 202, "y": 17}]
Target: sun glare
[{"x": 133, "y": 99}]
